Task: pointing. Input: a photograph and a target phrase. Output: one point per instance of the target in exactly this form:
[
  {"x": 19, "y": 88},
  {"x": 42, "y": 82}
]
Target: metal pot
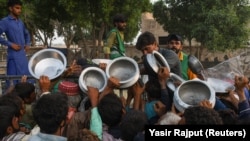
[
  {"x": 191, "y": 93},
  {"x": 50, "y": 62},
  {"x": 195, "y": 65},
  {"x": 125, "y": 69},
  {"x": 153, "y": 61},
  {"x": 92, "y": 76}
]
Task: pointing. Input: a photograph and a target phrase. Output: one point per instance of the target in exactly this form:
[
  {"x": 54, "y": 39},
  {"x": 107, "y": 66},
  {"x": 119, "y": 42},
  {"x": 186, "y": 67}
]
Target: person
[
  {"x": 72, "y": 90},
  {"x": 200, "y": 115},
  {"x": 50, "y": 113},
  {"x": 132, "y": 124},
  {"x": 115, "y": 41},
  {"x": 26, "y": 91},
  {"x": 175, "y": 43},
  {"x": 18, "y": 41},
  {"x": 9, "y": 127},
  {"x": 146, "y": 43}
]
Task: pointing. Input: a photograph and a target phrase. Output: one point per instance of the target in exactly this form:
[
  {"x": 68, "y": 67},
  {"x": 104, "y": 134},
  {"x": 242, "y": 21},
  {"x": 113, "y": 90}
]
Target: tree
[
  {"x": 217, "y": 25},
  {"x": 3, "y": 8},
  {"x": 43, "y": 18},
  {"x": 96, "y": 16}
]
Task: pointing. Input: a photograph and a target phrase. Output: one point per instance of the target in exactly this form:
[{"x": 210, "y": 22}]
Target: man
[
  {"x": 18, "y": 40},
  {"x": 146, "y": 43},
  {"x": 175, "y": 43},
  {"x": 50, "y": 113},
  {"x": 115, "y": 41}
]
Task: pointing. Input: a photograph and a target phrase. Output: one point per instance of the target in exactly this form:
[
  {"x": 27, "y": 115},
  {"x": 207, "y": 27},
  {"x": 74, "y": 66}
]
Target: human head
[
  {"x": 199, "y": 115},
  {"x": 12, "y": 99},
  {"x": 26, "y": 91},
  {"x": 110, "y": 109},
  {"x": 15, "y": 7},
  {"x": 146, "y": 43},
  {"x": 132, "y": 123},
  {"x": 9, "y": 121},
  {"x": 71, "y": 89},
  {"x": 175, "y": 42},
  {"x": 50, "y": 112},
  {"x": 228, "y": 116},
  {"x": 120, "y": 21}
]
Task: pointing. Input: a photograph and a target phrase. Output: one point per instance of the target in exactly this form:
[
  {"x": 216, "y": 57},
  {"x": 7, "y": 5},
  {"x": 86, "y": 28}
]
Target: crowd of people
[{"x": 61, "y": 111}]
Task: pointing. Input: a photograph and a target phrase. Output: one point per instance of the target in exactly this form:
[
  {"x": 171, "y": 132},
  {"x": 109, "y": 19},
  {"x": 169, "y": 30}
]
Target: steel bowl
[
  {"x": 92, "y": 76},
  {"x": 191, "y": 93},
  {"x": 153, "y": 61},
  {"x": 49, "y": 62},
  {"x": 194, "y": 64},
  {"x": 125, "y": 69}
]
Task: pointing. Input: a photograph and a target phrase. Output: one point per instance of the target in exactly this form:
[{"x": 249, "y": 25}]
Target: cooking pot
[
  {"x": 125, "y": 69},
  {"x": 49, "y": 62},
  {"x": 191, "y": 93},
  {"x": 153, "y": 61},
  {"x": 195, "y": 65},
  {"x": 92, "y": 76}
]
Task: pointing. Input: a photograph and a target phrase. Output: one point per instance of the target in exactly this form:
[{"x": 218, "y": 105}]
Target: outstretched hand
[{"x": 44, "y": 83}]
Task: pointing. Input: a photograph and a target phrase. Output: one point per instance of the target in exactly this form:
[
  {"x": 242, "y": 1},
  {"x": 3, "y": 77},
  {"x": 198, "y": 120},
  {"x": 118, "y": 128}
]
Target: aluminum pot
[
  {"x": 50, "y": 62},
  {"x": 125, "y": 69},
  {"x": 195, "y": 65},
  {"x": 92, "y": 76},
  {"x": 153, "y": 61},
  {"x": 191, "y": 93}
]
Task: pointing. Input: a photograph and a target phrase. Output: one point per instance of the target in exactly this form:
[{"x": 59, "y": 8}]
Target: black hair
[
  {"x": 228, "y": 116},
  {"x": 132, "y": 124},
  {"x": 11, "y": 99},
  {"x": 11, "y": 3},
  {"x": 174, "y": 37},
  {"x": 146, "y": 38},
  {"x": 49, "y": 111},
  {"x": 84, "y": 62},
  {"x": 6, "y": 116},
  {"x": 119, "y": 18},
  {"x": 199, "y": 115},
  {"x": 24, "y": 89},
  {"x": 110, "y": 109}
]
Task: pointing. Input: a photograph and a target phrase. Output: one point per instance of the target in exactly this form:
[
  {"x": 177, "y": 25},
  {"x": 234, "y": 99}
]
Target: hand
[
  {"x": 113, "y": 82},
  {"x": 27, "y": 48},
  {"x": 159, "y": 108},
  {"x": 74, "y": 69},
  {"x": 240, "y": 82},
  {"x": 137, "y": 89},
  {"x": 15, "y": 47},
  {"x": 163, "y": 74},
  {"x": 24, "y": 78},
  {"x": 206, "y": 103},
  {"x": 44, "y": 83},
  {"x": 103, "y": 66}
]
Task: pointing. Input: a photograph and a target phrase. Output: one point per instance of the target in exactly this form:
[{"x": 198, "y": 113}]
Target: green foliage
[
  {"x": 217, "y": 25},
  {"x": 3, "y": 8},
  {"x": 79, "y": 19}
]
